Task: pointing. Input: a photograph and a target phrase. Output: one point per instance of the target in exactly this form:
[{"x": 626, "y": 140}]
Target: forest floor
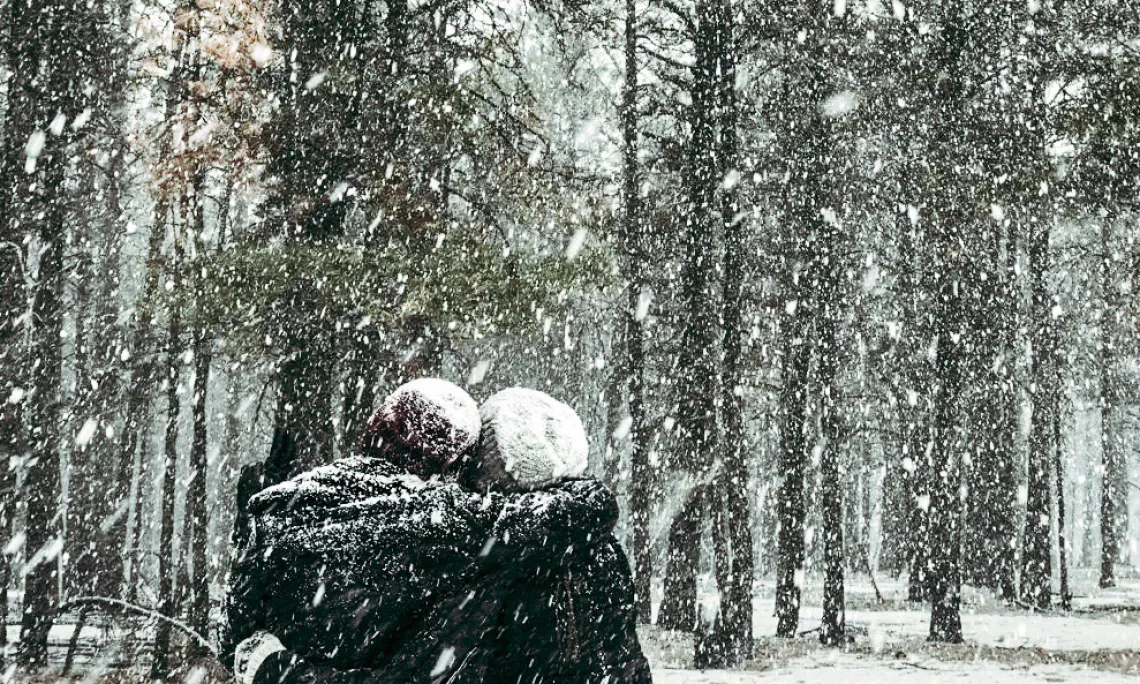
[{"x": 1097, "y": 642}]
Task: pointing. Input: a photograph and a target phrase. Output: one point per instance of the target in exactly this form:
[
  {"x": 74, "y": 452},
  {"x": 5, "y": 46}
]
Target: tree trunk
[
  {"x": 954, "y": 272},
  {"x": 913, "y": 399},
  {"x": 828, "y": 268},
  {"x": 990, "y": 533},
  {"x": 945, "y": 511},
  {"x": 197, "y": 508},
  {"x": 833, "y": 630},
  {"x": 1037, "y": 551},
  {"x": 896, "y": 508},
  {"x": 196, "y": 503},
  {"x": 1004, "y": 478},
  {"x": 1036, "y": 567},
  {"x": 678, "y": 608},
  {"x": 1088, "y": 539},
  {"x": 42, "y": 54},
  {"x": 20, "y": 118},
  {"x": 397, "y": 22},
  {"x": 161, "y": 665},
  {"x": 697, "y": 435},
  {"x": 616, "y": 385},
  {"x": 1109, "y": 451},
  {"x": 791, "y": 464},
  {"x": 1062, "y": 547},
  {"x": 918, "y": 535},
  {"x": 140, "y": 468},
  {"x": 97, "y": 502},
  {"x": 306, "y": 160},
  {"x": 632, "y": 362},
  {"x": 14, "y": 379},
  {"x": 42, "y": 478},
  {"x": 6, "y": 501},
  {"x": 138, "y": 397},
  {"x": 734, "y": 644},
  {"x": 305, "y": 393}
]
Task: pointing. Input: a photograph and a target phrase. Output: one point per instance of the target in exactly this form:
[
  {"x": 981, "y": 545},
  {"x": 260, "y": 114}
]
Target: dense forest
[{"x": 838, "y": 288}]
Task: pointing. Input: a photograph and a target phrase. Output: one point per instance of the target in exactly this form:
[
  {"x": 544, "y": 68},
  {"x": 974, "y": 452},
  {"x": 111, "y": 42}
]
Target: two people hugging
[{"x": 461, "y": 545}]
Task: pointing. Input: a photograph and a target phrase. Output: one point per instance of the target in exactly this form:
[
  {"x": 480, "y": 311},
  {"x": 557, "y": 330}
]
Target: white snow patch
[
  {"x": 57, "y": 124},
  {"x": 478, "y": 372},
  {"x": 576, "y": 242},
  {"x": 81, "y": 119},
  {"x": 446, "y": 658},
  {"x": 32, "y": 150},
  {"x": 15, "y": 544},
  {"x": 644, "y": 300},
  {"x": 338, "y": 192},
  {"x": 47, "y": 553},
  {"x": 464, "y": 67},
  {"x": 86, "y": 433},
  {"x": 316, "y": 80},
  {"x": 196, "y": 675},
  {"x": 840, "y": 104},
  {"x": 623, "y": 428},
  {"x": 834, "y": 667},
  {"x": 1062, "y": 148},
  {"x": 731, "y": 179},
  {"x": 261, "y": 54}
]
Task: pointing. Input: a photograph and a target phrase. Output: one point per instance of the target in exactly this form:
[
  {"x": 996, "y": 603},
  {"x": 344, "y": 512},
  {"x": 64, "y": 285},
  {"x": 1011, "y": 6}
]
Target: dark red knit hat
[{"x": 424, "y": 426}]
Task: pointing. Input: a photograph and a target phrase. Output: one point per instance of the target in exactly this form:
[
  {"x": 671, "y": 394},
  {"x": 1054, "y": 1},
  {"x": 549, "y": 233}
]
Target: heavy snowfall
[{"x": 524, "y": 341}]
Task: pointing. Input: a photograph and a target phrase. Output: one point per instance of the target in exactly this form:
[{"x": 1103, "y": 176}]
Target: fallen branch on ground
[{"x": 83, "y": 601}]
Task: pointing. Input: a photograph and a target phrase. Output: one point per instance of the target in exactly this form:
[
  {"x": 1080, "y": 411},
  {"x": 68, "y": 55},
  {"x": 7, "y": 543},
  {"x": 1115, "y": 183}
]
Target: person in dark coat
[
  {"x": 559, "y": 609},
  {"x": 376, "y": 567},
  {"x": 569, "y": 622}
]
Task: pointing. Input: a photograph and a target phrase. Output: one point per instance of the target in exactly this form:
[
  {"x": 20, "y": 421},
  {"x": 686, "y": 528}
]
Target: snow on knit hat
[
  {"x": 530, "y": 439},
  {"x": 424, "y": 425}
]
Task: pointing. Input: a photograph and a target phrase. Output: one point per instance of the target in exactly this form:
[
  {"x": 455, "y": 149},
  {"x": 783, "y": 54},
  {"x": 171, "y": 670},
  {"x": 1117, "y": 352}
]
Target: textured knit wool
[{"x": 529, "y": 440}]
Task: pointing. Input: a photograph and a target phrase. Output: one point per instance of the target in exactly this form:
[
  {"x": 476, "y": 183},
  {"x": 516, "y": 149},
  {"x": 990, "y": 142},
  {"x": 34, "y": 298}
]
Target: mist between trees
[{"x": 837, "y": 287}]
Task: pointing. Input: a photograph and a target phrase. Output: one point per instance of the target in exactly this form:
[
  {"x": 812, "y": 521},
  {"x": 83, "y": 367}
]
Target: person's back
[
  {"x": 574, "y": 622},
  {"x": 312, "y": 546}
]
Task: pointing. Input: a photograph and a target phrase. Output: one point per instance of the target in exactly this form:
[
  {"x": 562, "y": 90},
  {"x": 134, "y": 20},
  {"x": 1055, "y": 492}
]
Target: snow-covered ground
[
  {"x": 1098, "y": 642},
  {"x": 1050, "y": 632},
  {"x": 846, "y": 668},
  {"x": 1102, "y": 619}
]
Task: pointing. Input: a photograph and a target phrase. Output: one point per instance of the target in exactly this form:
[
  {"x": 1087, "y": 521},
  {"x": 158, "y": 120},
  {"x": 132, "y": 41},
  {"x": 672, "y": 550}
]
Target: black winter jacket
[
  {"x": 574, "y": 623},
  {"x": 571, "y": 623}
]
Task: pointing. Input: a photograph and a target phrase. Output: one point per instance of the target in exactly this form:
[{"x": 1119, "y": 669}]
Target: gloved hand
[{"x": 251, "y": 653}]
